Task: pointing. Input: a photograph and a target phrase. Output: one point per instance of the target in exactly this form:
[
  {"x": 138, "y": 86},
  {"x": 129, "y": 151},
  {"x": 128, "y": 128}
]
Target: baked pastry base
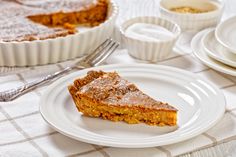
[{"x": 108, "y": 96}]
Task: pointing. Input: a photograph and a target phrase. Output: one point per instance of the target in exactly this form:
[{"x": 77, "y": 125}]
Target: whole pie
[
  {"x": 109, "y": 96},
  {"x": 50, "y": 19}
]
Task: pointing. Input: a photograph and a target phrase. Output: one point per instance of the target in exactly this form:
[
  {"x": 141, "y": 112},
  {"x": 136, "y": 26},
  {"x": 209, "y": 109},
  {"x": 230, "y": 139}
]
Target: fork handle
[{"x": 12, "y": 94}]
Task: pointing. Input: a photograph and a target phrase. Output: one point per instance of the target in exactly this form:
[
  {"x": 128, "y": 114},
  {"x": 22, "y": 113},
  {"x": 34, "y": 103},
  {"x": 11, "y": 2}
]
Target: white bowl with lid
[
  {"x": 148, "y": 49},
  {"x": 210, "y": 16}
]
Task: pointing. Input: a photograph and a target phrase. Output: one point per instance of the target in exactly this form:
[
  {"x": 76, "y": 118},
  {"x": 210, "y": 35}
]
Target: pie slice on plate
[{"x": 109, "y": 96}]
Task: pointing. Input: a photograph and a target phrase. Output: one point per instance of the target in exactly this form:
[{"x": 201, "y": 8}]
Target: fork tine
[
  {"x": 99, "y": 54},
  {"x": 103, "y": 50},
  {"x": 97, "y": 50},
  {"x": 107, "y": 52}
]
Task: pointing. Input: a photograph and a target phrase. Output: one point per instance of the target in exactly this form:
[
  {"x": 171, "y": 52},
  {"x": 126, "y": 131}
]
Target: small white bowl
[
  {"x": 152, "y": 51},
  {"x": 193, "y": 21}
]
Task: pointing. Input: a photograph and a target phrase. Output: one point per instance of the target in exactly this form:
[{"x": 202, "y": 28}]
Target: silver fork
[{"x": 94, "y": 59}]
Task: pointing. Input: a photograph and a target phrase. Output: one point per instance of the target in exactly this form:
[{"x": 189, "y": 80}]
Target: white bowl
[
  {"x": 190, "y": 21},
  {"x": 148, "y": 50},
  {"x": 40, "y": 52}
]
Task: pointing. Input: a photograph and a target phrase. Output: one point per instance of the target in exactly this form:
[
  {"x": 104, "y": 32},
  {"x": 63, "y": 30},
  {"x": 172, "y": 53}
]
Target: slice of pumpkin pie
[{"x": 109, "y": 96}]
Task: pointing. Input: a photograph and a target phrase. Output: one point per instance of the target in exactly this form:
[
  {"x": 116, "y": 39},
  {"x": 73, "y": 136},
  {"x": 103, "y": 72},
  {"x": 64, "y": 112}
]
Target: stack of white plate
[{"x": 216, "y": 47}]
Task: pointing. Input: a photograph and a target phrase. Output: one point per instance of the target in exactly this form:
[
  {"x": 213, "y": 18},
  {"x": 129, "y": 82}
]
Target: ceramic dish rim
[
  {"x": 211, "y": 54},
  {"x": 202, "y": 16},
  {"x": 211, "y": 64},
  {"x": 175, "y": 37},
  {"x": 217, "y": 34}
]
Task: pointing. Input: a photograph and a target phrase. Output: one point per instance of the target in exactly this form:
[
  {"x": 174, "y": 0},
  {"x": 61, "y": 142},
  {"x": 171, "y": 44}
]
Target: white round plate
[
  {"x": 226, "y": 34},
  {"x": 201, "y": 54},
  {"x": 215, "y": 50},
  {"x": 201, "y": 105}
]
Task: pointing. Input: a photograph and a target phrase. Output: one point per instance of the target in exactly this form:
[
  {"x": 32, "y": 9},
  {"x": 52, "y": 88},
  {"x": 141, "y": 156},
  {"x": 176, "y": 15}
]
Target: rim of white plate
[
  {"x": 198, "y": 51},
  {"x": 209, "y": 37},
  {"x": 220, "y": 31}
]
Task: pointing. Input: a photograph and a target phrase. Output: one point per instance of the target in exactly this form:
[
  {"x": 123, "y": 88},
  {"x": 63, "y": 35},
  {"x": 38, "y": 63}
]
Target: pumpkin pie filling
[
  {"x": 108, "y": 96},
  {"x": 19, "y": 22}
]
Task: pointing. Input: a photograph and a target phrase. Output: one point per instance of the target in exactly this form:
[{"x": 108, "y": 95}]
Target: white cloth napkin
[{"x": 25, "y": 133}]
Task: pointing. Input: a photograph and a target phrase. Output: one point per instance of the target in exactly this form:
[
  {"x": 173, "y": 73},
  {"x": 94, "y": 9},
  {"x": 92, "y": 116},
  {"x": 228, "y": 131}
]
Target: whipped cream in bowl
[
  {"x": 148, "y": 32},
  {"x": 149, "y": 38}
]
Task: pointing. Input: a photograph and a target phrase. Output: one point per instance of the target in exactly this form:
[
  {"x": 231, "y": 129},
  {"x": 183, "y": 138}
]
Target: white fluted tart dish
[{"x": 53, "y": 32}]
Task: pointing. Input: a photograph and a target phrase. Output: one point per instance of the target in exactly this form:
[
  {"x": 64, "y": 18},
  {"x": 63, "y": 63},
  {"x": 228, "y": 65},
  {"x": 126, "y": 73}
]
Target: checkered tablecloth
[{"x": 23, "y": 132}]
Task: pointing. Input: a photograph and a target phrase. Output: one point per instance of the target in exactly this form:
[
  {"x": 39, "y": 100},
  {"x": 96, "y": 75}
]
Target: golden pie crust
[{"x": 108, "y": 96}]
